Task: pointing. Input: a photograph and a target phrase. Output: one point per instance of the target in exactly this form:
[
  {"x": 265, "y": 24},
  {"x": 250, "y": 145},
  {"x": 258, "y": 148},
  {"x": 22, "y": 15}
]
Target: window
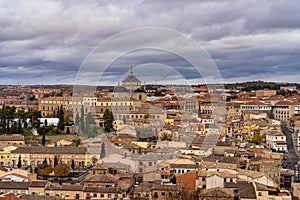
[
  {"x": 150, "y": 164},
  {"x": 203, "y": 178},
  {"x": 102, "y": 195},
  {"x": 155, "y": 194},
  {"x": 259, "y": 194},
  {"x": 95, "y": 195},
  {"x": 163, "y": 194}
]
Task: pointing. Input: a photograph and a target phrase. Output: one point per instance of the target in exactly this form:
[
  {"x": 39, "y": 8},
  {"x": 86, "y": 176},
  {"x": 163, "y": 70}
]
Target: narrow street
[{"x": 292, "y": 158}]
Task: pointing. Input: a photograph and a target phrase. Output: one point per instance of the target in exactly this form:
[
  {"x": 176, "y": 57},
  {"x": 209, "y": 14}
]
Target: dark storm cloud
[{"x": 46, "y": 41}]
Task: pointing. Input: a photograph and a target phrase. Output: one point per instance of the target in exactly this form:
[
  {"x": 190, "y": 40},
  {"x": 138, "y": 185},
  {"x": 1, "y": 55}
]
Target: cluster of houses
[{"x": 175, "y": 145}]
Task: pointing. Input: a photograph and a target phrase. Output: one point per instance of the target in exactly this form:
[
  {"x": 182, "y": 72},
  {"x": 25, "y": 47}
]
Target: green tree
[
  {"x": 73, "y": 164},
  {"x": 256, "y": 139},
  {"x": 62, "y": 169},
  {"x": 108, "y": 120},
  {"x": 76, "y": 142},
  {"x": 55, "y": 161},
  {"x": 14, "y": 129},
  {"x": 173, "y": 179},
  {"x": 77, "y": 119},
  {"x": 7, "y": 115},
  {"x": 19, "y": 165},
  {"x": 89, "y": 119},
  {"x": 45, "y": 123},
  {"x": 33, "y": 115},
  {"x": 61, "y": 122},
  {"x": 94, "y": 161},
  {"x": 102, "y": 153},
  {"x": 44, "y": 169},
  {"x": 147, "y": 115},
  {"x": 82, "y": 119},
  {"x": 20, "y": 129},
  {"x": 44, "y": 139},
  {"x": 68, "y": 130}
]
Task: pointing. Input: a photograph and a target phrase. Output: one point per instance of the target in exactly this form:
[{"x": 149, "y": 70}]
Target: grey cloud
[{"x": 245, "y": 38}]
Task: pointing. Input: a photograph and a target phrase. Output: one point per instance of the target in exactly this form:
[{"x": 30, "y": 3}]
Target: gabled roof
[
  {"x": 101, "y": 178},
  {"x": 255, "y": 103},
  {"x": 246, "y": 190},
  {"x": 167, "y": 187},
  {"x": 38, "y": 184},
  {"x": 285, "y": 103},
  {"x": 217, "y": 192},
  {"x": 14, "y": 185},
  {"x": 102, "y": 190},
  {"x": 12, "y": 137},
  {"x": 65, "y": 187},
  {"x": 120, "y": 89},
  {"x": 116, "y": 165}
]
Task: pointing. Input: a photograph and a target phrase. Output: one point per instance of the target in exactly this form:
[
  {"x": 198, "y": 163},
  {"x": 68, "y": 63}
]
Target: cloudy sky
[{"x": 48, "y": 42}]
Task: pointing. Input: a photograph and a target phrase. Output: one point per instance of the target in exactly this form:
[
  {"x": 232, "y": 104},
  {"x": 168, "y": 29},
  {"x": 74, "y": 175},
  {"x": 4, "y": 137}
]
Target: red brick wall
[{"x": 188, "y": 183}]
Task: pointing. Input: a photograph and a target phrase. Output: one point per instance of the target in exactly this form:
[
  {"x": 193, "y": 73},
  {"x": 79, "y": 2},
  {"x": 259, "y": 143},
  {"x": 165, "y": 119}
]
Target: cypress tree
[
  {"x": 73, "y": 164},
  {"x": 102, "y": 154},
  {"x": 55, "y": 161},
  {"x": 61, "y": 123},
  {"x": 44, "y": 140},
  {"x": 108, "y": 120},
  {"x": 19, "y": 165},
  {"x": 82, "y": 119}
]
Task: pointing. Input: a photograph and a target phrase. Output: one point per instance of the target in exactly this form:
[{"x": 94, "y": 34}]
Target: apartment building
[{"x": 36, "y": 155}]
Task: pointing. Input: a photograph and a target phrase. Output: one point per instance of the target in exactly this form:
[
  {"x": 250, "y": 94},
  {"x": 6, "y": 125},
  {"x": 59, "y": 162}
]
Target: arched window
[{"x": 260, "y": 194}]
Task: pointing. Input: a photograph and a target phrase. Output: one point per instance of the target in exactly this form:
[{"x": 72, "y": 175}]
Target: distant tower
[{"x": 131, "y": 82}]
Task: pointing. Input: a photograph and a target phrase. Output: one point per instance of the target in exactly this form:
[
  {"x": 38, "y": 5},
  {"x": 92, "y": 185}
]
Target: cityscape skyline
[{"x": 150, "y": 99}]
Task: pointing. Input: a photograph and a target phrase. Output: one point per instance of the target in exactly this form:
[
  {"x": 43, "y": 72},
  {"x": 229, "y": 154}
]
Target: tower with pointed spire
[{"x": 131, "y": 82}]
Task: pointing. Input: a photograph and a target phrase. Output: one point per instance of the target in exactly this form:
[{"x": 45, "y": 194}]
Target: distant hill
[{"x": 258, "y": 85}]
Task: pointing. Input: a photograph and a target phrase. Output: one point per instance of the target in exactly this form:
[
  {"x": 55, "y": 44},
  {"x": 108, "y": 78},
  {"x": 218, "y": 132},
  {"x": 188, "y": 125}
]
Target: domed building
[
  {"x": 130, "y": 89},
  {"x": 131, "y": 82}
]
